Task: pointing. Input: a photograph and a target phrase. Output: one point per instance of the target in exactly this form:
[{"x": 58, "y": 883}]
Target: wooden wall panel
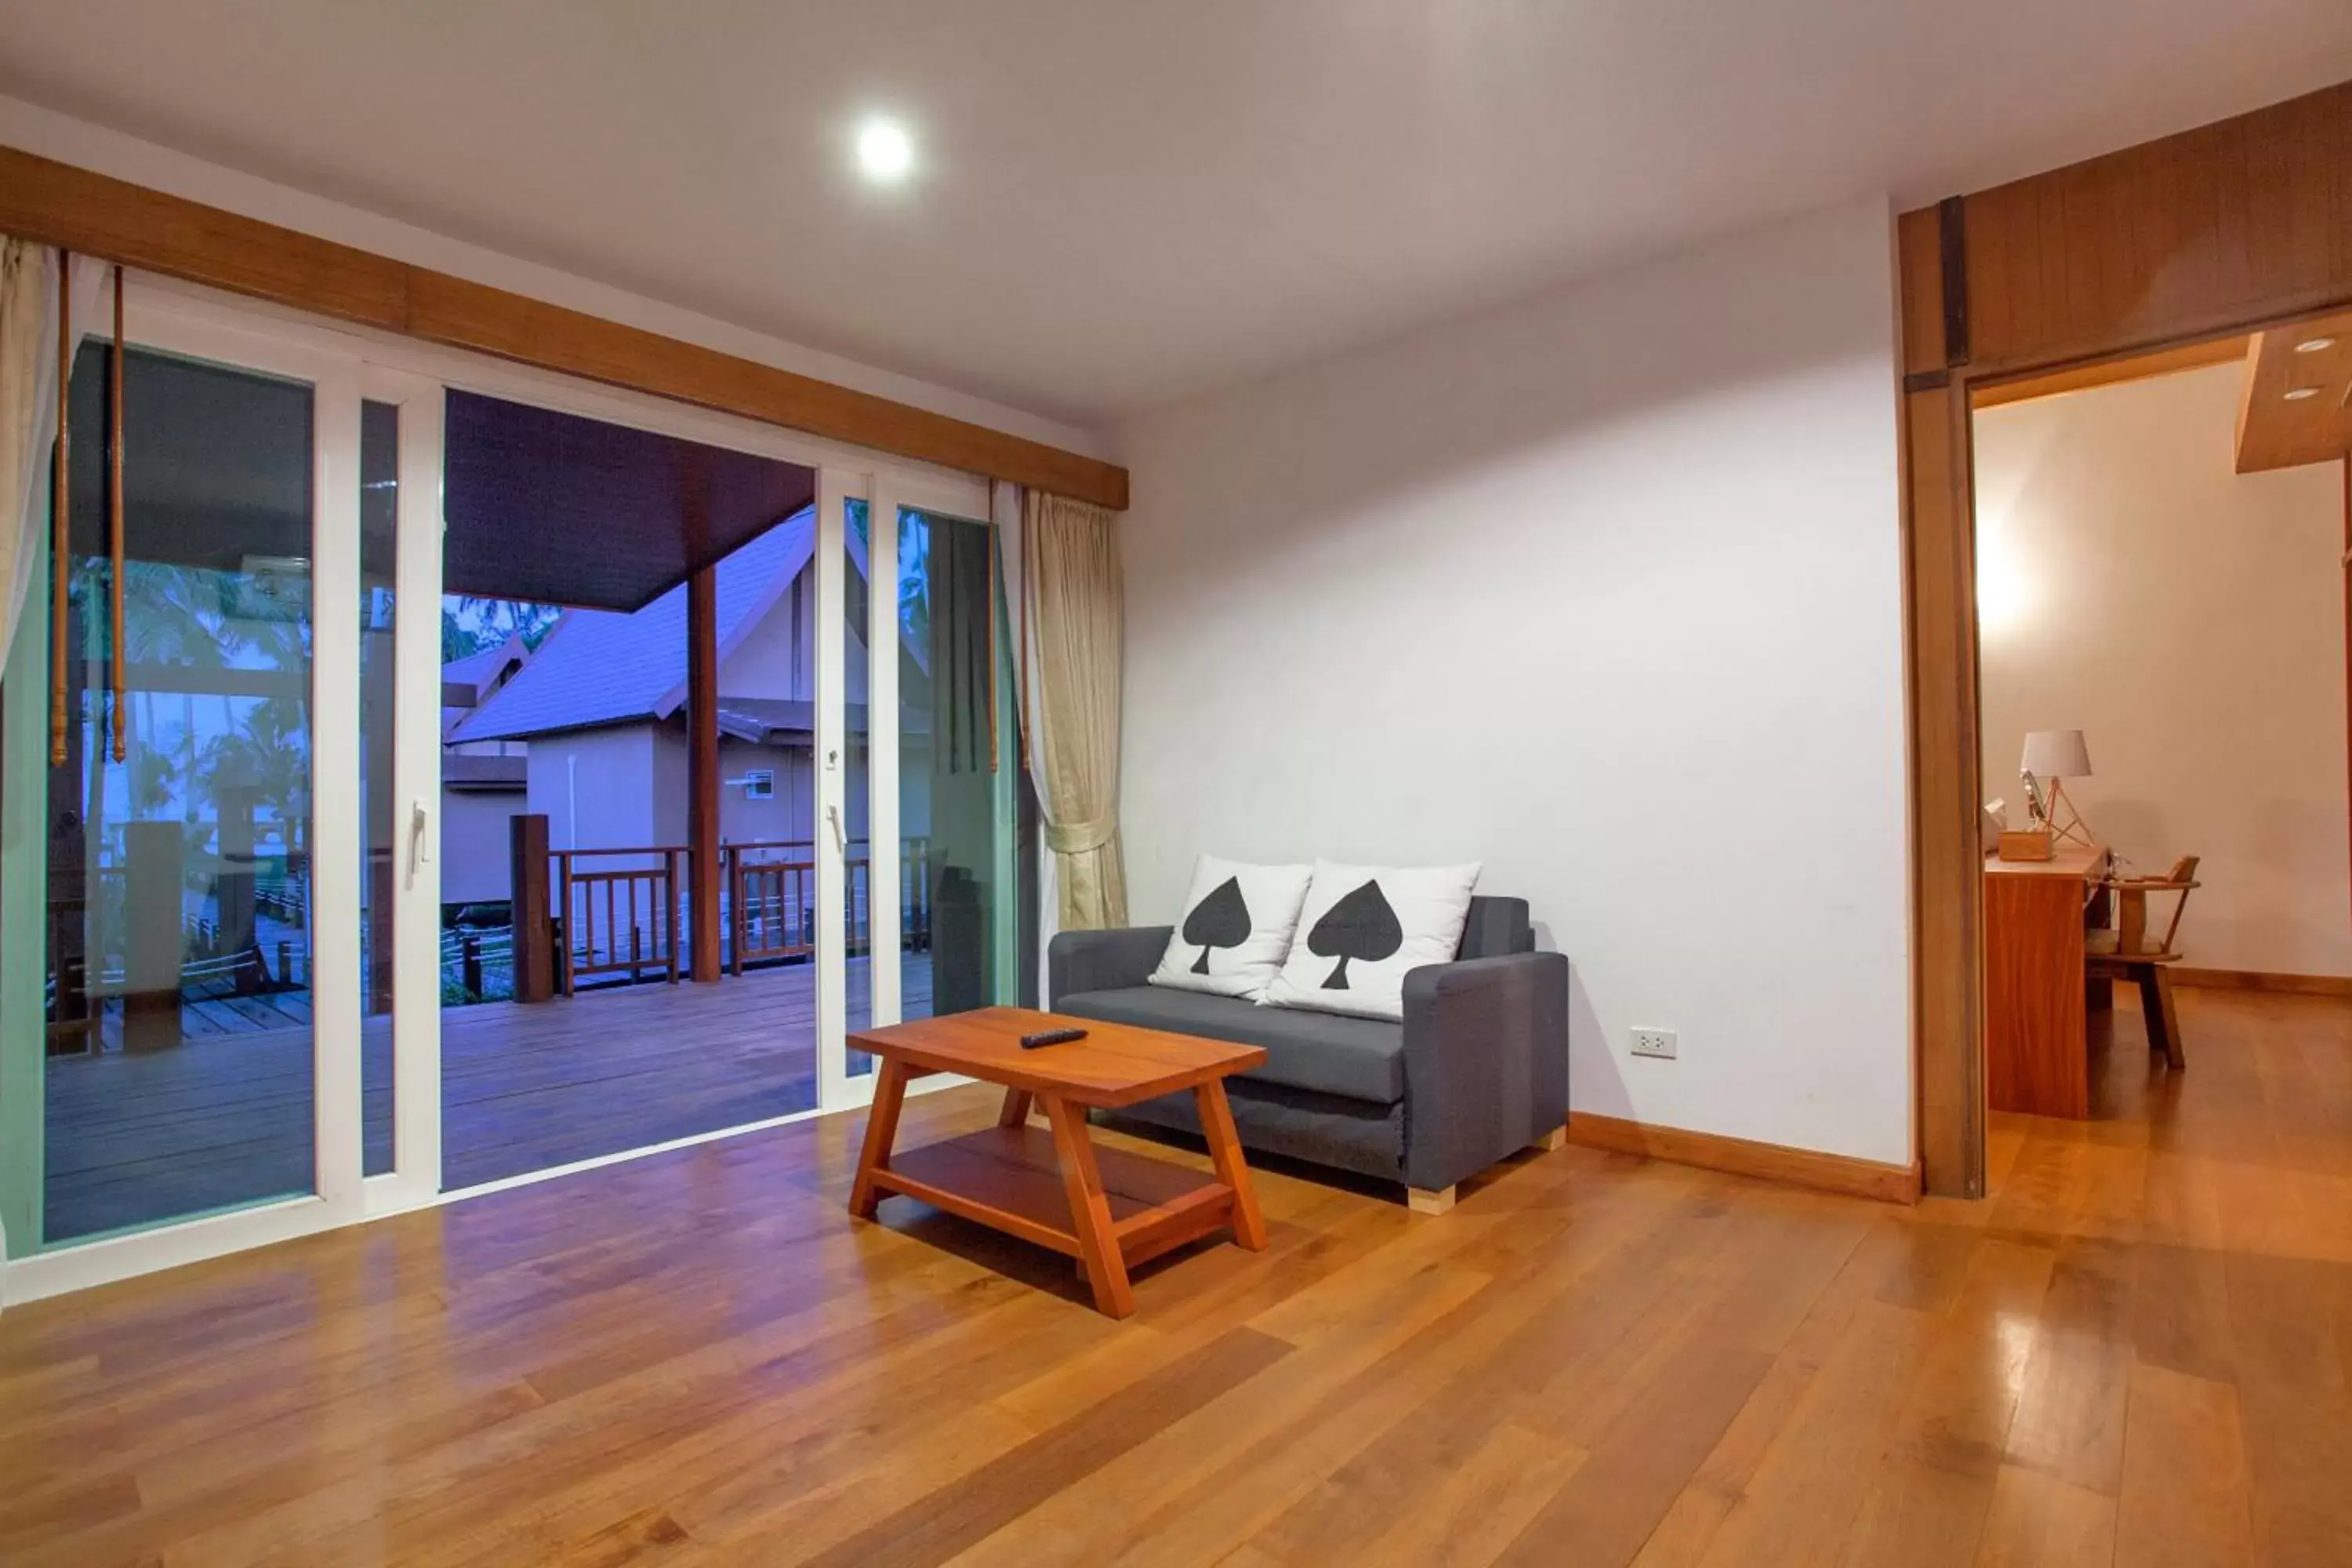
[
  {"x": 1917, "y": 251},
  {"x": 2221, "y": 230},
  {"x": 2219, "y": 226},
  {"x": 1946, "y": 871},
  {"x": 57, "y": 204}
]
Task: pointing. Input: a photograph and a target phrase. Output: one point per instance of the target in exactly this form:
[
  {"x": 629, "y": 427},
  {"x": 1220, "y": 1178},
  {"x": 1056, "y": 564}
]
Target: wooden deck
[
  {"x": 226, "y": 1117},
  {"x": 2135, "y": 1352}
]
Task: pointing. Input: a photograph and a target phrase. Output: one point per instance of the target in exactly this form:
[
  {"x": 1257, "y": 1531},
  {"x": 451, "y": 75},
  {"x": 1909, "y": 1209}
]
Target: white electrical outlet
[{"x": 1654, "y": 1043}]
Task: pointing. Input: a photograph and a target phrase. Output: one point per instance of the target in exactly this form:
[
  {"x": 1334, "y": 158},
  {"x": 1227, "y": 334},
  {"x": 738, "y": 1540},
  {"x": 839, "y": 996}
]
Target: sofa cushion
[{"x": 1361, "y": 1058}]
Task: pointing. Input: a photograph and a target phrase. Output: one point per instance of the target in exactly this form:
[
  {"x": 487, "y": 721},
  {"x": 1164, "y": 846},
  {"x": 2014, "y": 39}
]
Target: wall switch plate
[{"x": 1654, "y": 1043}]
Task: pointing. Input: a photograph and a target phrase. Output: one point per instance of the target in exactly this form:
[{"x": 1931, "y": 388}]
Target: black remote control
[{"x": 1051, "y": 1037}]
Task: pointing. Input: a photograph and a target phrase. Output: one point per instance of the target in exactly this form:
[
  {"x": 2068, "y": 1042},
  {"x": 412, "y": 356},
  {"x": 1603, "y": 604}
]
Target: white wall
[
  {"x": 2190, "y": 621},
  {"x": 1604, "y": 590}
]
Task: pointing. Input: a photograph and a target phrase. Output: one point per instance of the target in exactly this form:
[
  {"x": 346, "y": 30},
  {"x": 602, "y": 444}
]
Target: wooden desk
[{"x": 2037, "y": 1030}]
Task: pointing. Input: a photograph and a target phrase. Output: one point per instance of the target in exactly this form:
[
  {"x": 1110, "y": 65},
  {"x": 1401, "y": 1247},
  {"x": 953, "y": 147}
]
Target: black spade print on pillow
[
  {"x": 1234, "y": 928},
  {"x": 1220, "y": 920},
  {"x": 1362, "y": 929},
  {"x": 1360, "y": 925}
]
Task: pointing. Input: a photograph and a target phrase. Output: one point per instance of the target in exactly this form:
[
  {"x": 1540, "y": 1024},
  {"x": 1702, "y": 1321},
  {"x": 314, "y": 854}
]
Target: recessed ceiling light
[
  {"x": 2315, "y": 345},
  {"x": 2297, "y": 394},
  {"x": 885, "y": 151}
]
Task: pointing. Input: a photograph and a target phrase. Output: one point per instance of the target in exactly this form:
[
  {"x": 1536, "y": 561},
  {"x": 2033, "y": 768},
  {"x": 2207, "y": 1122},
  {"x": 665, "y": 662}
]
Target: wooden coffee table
[{"x": 1107, "y": 1208}]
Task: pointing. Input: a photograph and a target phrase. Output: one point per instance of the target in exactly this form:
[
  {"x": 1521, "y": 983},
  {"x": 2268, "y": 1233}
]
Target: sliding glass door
[
  {"x": 932, "y": 757},
  {"x": 185, "y": 858},
  {"x": 301, "y": 894}
]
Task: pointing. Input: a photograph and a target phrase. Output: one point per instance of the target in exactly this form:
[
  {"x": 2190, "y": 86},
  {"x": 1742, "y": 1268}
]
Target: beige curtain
[
  {"x": 27, "y": 347},
  {"x": 1076, "y": 617}
]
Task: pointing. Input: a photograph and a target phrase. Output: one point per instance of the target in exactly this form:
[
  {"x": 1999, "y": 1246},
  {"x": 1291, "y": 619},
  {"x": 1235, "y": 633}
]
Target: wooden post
[
  {"x": 739, "y": 922},
  {"x": 233, "y": 886},
  {"x": 702, "y": 770},
  {"x": 155, "y": 934},
  {"x": 669, "y": 907},
  {"x": 534, "y": 925}
]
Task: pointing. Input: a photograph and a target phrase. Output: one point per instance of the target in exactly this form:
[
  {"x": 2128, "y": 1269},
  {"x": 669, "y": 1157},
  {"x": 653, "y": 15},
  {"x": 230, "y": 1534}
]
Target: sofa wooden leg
[
  {"x": 1424, "y": 1200},
  {"x": 1553, "y": 1142}
]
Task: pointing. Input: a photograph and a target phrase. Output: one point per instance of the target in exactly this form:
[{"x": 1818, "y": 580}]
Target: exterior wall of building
[
  {"x": 597, "y": 788},
  {"x": 776, "y": 659},
  {"x": 475, "y": 847}
]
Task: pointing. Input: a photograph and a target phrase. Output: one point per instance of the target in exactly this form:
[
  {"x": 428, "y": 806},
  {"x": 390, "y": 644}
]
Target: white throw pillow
[
  {"x": 1363, "y": 927},
  {"x": 1235, "y": 929}
]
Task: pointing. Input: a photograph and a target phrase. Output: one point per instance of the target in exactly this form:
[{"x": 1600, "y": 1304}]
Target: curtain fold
[
  {"x": 28, "y": 336},
  {"x": 1076, "y": 617}
]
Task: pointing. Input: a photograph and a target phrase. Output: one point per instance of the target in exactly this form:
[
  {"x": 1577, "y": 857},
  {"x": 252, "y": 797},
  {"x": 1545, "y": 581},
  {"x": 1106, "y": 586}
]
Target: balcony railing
[
  {"x": 639, "y": 927},
  {"x": 621, "y": 914}
]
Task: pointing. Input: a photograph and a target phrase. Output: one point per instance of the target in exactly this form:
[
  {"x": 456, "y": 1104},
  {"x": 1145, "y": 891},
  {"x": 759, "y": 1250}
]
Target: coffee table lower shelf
[{"x": 1011, "y": 1179}]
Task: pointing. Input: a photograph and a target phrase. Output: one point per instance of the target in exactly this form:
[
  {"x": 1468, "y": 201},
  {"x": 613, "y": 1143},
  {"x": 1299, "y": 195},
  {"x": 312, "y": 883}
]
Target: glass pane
[
  {"x": 954, "y": 746},
  {"x": 857, "y": 777},
  {"x": 573, "y": 1025},
  {"x": 180, "y": 1075},
  {"x": 379, "y": 555}
]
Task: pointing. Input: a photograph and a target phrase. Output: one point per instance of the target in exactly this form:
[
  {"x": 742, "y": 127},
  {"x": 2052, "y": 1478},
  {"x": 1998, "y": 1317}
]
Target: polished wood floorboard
[{"x": 2137, "y": 1351}]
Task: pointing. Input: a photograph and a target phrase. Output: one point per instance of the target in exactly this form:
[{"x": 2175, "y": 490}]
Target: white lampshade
[{"x": 2056, "y": 754}]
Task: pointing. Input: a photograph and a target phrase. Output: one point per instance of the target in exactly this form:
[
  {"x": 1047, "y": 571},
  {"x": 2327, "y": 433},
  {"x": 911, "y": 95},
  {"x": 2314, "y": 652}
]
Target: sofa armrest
[
  {"x": 1486, "y": 1062},
  {"x": 1079, "y": 960}
]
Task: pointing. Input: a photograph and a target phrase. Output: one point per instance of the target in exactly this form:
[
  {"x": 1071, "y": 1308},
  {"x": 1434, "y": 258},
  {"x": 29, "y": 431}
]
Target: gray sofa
[{"x": 1477, "y": 1070}]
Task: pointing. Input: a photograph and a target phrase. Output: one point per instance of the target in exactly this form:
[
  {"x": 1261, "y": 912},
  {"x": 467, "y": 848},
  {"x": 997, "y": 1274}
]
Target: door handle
[
  {"x": 840, "y": 838},
  {"x": 420, "y": 843}
]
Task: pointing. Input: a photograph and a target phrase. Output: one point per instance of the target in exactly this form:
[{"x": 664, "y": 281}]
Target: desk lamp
[{"x": 2056, "y": 756}]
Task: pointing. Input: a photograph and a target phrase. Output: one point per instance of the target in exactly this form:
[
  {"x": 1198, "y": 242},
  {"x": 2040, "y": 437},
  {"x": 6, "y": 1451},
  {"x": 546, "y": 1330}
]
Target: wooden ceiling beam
[
  {"x": 93, "y": 214},
  {"x": 2279, "y": 431}
]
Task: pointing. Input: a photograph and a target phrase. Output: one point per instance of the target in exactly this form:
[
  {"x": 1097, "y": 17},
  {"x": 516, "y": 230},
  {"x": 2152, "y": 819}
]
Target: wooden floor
[
  {"x": 226, "y": 1118},
  {"x": 2137, "y": 1354}
]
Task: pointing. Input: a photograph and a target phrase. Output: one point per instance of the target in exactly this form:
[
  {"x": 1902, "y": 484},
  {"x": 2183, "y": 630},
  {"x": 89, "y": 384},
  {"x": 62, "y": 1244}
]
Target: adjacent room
[
  {"x": 2159, "y": 544},
  {"x": 1367, "y": 782}
]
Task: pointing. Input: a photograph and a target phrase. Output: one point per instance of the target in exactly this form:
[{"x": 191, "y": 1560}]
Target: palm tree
[
  {"x": 494, "y": 621},
  {"x": 267, "y": 753}
]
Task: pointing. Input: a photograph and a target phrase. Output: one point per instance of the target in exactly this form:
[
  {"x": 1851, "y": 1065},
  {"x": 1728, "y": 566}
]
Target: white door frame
[
  {"x": 834, "y": 488},
  {"x": 884, "y": 846},
  {"x": 416, "y": 1021}
]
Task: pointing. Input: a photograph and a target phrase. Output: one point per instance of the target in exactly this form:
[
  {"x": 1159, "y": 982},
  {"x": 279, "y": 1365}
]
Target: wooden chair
[{"x": 2125, "y": 951}]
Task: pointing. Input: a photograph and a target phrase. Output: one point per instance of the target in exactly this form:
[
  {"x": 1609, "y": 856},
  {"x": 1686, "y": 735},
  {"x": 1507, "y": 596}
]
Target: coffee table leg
[
  {"x": 881, "y": 1131},
  {"x": 1090, "y": 1209},
  {"x": 1016, "y": 1108},
  {"x": 1226, "y": 1149}
]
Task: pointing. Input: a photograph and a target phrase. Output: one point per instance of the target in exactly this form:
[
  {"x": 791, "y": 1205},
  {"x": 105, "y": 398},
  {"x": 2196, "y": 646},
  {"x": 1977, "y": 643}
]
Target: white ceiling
[{"x": 1123, "y": 203}]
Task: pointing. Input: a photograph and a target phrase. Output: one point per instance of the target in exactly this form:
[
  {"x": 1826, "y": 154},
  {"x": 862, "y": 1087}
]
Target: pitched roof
[
  {"x": 479, "y": 673},
  {"x": 598, "y": 667},
  {"x": 479, "y": 669}
]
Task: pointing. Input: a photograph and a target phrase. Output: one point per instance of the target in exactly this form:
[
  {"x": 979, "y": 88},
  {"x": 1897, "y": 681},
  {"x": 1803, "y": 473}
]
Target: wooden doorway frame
[{"x": 2242, "y": 224}]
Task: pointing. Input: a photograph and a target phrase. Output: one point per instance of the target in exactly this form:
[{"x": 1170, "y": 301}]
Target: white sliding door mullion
[
  {"x": 834, "y": 489},
  {"x": 884, "y": 872},
  {"x": 417, "y": 758},
  {"x": 337, "y": 831}
]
